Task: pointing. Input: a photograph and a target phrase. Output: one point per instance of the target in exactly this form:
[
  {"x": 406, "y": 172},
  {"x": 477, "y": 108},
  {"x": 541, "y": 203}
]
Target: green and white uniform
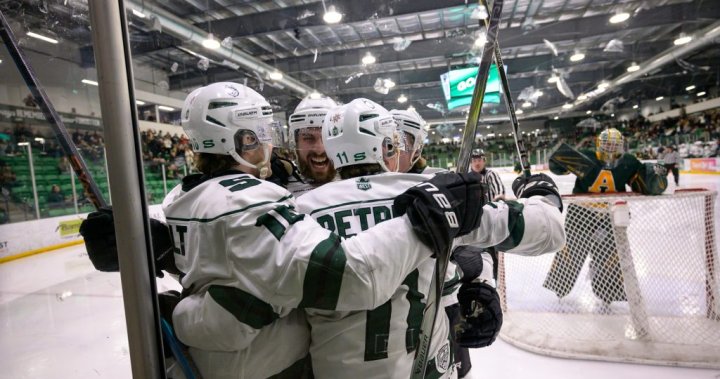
[
  {"x": 380, "y": 343},
  {"x": 250, "y": 261}
]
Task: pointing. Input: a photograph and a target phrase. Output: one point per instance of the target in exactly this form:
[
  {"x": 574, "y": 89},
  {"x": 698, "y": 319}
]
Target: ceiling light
[
  {"x": 555, "y": 118},
  {"x": 388, "y": 83},
  {"x": 459, "y": 130},
  {"x": 659, "y": 98},
  {"x": 479, "y": 13},
  {"x": 42, "y": 37},
  {"x": 165, "y": 108},
  {"x": 137, "y": 13},
  {"x": 315, "y": 95},
  {"x": 368, "y": 59},
  {"x": 612, "y": 115},
  {"x": 567, "y": 106},
  {"x": 619, "y": 17},
  {"x": 332, "y": 16},
  {"x": 402, "y": 99},
  {"x": 210, "y": 42},
  {"x": 600, "y": 89},
  {"x": 23, "y": 143},
  {"x": 519, "y": 111},
  {"x": 139, "y": 102},
  {"x": 577, "y": 56},
  {"x": 275, "y": 75},
  {"x": 588, "y": 112},
  {"x": 690, "y": 88},
  {"x": 635, "y": 106},
  {"x": 603, "y": 85},
  {"x": 552, "y": 79},
  {"x": 411, "y": 108},
  {"x": 90, "y": 82},
  {"x": 583, "y": 97},
  {"x": 633, "y": 67},
  {"x": 682, "y": 39},
  {"x": 701, "y": 94},
  {"x": 0, "y": 60},
  {"x": 527, "y": 104}
]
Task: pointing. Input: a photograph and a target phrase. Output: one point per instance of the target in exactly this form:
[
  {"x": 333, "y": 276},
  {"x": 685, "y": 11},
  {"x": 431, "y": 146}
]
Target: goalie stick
[
  {"x": 91, "y": 189},
  {"x": 441, "y": 264}
]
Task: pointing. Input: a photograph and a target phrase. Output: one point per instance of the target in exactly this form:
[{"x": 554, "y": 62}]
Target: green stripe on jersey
[
  {"x": 415, "y": 314},
  {"x": 351, "y": 203},
  {"x": 323, "y": 278},
  {"x": 246, "y": 308},
  {"x": 516, "y": 226},
  {"x": 377, "y": 332},
  {"x": 205, "y": 220}
]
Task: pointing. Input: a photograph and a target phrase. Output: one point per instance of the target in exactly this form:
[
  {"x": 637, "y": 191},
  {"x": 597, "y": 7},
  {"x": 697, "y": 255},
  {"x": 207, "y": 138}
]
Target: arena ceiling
[{"x": 292, "y": 37}]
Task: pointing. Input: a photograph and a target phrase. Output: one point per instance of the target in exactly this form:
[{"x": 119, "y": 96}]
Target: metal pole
[
  {"x": 185, "y": 169},
  {"x": 117, "y": 100},
  {"x": 107, "y": 175},
  {"x": 162, "y": 167},
  {"x": 32, "y": 180},
  {"x": 74, "y": 191}
]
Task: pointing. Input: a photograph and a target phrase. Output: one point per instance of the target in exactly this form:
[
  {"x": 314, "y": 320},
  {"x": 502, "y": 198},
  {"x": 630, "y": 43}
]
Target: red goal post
[{"x": 636, "y": 282}]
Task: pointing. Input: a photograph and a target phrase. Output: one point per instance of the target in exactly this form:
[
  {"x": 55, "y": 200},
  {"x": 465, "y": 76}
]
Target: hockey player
[
  {"x": 412, "y": 129},
  {"x": 380, "y": 343},
  {"x": 249, "y": 261},
  {"x": 605, "y": 170},
  {"x": 304, "y": 127}
]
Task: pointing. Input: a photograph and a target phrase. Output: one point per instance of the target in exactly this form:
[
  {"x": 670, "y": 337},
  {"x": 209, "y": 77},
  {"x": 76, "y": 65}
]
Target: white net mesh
[{"x": 636, "y": 282}]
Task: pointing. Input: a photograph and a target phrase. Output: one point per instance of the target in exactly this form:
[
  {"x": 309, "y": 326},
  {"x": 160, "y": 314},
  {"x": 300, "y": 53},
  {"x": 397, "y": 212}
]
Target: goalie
[{"x": 605, "y": 170}]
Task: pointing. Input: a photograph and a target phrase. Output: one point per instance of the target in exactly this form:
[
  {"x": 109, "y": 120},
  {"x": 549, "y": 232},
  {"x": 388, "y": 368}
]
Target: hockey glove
[
  {"x": 282, "y": 169},
  {"x": 475, "y": 262},
  {"x": 537, "y": 185},
  {"x": 480, "y": 315},
  {"x": 98, "y": 231},
  {"x": 447, "y": 206}
]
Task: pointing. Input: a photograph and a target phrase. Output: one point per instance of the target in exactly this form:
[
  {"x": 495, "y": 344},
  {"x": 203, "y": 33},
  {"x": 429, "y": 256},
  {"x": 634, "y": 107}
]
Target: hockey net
[{"x": 636, "y": 282}]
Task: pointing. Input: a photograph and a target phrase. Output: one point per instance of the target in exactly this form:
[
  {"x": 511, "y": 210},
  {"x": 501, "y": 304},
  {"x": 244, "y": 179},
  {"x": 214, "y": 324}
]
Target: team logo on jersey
[
  {"x": 442, "y": 359},
  {"x": 363, "y": 184}
]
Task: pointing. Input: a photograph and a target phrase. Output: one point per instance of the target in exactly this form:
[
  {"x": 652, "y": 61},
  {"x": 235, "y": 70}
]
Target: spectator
[
  {"x": 55, "y": 197},
  {"x": 63, "y": 165},
  {"x": 7, "y": 176}
]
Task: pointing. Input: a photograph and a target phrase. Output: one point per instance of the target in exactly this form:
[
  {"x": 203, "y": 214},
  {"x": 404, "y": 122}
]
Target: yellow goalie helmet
[{"x": 610, "y": 144}]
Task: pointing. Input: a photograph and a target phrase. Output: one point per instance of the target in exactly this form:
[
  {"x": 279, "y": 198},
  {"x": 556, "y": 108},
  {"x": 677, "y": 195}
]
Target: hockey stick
[
  {"x": 41, "y": 99},
  {"x": 519, "y": 143},
  {"x": 78, "y": 165},
  {"x": 441, "y": 264}
]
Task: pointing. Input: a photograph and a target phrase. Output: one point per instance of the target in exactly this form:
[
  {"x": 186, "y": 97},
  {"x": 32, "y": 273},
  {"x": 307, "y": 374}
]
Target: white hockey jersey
[
  {"x": 249, "y": 259},
  {"x": 380, "y": 343}
]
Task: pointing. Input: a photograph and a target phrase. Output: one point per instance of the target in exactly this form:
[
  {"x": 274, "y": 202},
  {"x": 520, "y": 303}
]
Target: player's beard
[{"x": 317, "y": 167}]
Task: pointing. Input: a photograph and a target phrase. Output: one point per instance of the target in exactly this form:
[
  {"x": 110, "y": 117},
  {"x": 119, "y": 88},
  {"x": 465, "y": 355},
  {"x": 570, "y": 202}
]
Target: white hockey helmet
[
  {"x": 360, "y": 132},
  {"x": 310, "y": 113},
  {"x": 410, "y": 122},
  {"x": 228, "y": 118}
]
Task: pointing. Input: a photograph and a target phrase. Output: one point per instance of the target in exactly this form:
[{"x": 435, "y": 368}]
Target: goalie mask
[
  {"x": 610, "y": 145},
  {"x": 230, "y": 119},
  {"x": 361, "y": 132},
  {"x": 412, "y": 135},
  {"x": 305, "y": 127}
]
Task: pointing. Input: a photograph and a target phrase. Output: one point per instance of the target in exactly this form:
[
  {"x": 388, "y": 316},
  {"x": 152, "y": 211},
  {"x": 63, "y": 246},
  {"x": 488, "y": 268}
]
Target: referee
[
  {"x": 496, "y": 188},
  {"x": 670, "y": 161}
]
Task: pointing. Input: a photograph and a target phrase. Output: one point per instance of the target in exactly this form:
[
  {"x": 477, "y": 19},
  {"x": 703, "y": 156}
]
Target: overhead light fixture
[
  {"x": 603, "y": 85},
  {"x": 600, "y": 90},
  {"x": 659, "y": 98},
  {"x": 388, "y": 83},
  {"x": 460, "y": 130},
  {"x": 577, "y": 56},
  {"x": 583, "y": 97},
  {"x": 479, "y": 13},
  {"x": 315, "y": 95},
  {"x": 410, "y": 108},
  {"x": 567, "y": 106},
  {"x": 690, "y": 87},
  {"x": 527, "y": 104},
  {"x": 612, "y": 115},
  {"x": 635, "y": 106},
  {"x": 210, "y": 42},
  {"x": 556, "y": 118},
  {"x": 275, "y": 75},
  {"x": 633, "y": 67},
  {"x": 332, "y": 16},
  {"x": 42, "y": 37},
  {"x": 619, "y": 17},
  {"x": 682, "y": 39},
  {"x": 139, "y": 102},
  {"x": 552, "y": 79},
  {"x": 138, "y": 13},
  {"x": 487, "y": 127},
  {"x": 40, "y": 139},
  {"x": 702, "y": 93},
  {"x": 23, "y": 143},
  {"x": 402, "y": 99},
  {"x": 519, "y": 111},
  {"x": 89, "y": 82},
  {"x": 368, "y": 59},
  {"x": 165, "y": 108},
  {"x": 588, "y": 112},
  {"x": 0, "y": 60}
]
